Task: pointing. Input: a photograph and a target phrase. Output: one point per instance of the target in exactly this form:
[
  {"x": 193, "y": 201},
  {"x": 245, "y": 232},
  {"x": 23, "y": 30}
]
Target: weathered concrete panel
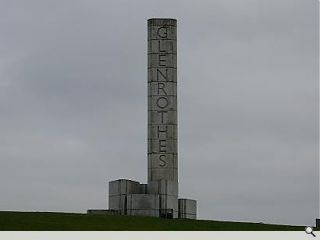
[
  {"x": 163, "y": 173},
  {"x": 159, "y": 31},
  {"x": 162, "y": 22},
  {"x": 162, "y": 146},
  {"x": 168, "y": 191},
  {"x": 162, "y": 60},
  {"x": 143, "y": 204},
  {"x": 162, "y": 103},
  {"x": 143, "y": 188},
  {"x": 162, "y": 132},
  {"x": 143, "y": 201},
  {"x": 166, "y": 187},
  {"x": 163, "y": 160},
  {"x": 169, "y": 202},
  {"x": 162, "y": 75},
  {"x": 118, "y": 191},
  {"x": 162, "y": 88},
  {"x": 187, "y": 208},
  {"x": 118, "y": 202},
  {"x": 163, "y": 45},
  {"x": 162, "y": 118},
  {"x": 123, "y": 186},
  {"x": 164, "y": 32}
]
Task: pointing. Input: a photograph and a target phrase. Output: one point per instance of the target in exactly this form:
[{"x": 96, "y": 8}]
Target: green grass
[{"x": 49, "y": 221}]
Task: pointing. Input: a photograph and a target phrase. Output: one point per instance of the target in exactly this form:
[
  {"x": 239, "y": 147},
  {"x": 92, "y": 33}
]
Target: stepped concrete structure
[{"x": 159, "y": 197}]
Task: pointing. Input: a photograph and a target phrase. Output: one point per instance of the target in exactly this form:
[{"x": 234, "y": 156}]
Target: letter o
[{"x": 162, "y": 102}]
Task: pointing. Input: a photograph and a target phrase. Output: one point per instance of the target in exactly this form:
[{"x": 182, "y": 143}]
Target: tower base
[{"x": 127, "y": 197}]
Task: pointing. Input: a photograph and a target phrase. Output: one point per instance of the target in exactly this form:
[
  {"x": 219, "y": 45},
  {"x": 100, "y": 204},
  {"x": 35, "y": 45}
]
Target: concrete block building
[{"x": 159, "y": 196}]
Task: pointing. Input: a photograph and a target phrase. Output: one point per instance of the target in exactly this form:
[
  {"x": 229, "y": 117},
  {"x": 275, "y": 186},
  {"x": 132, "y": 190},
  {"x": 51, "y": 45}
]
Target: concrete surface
[
  {"x": 187, "y": 208},
  {"x": 143, "y": 204}
]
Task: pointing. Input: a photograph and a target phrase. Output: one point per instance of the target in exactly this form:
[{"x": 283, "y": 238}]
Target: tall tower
[
  {"x": 162, "y": 112},
  {"x": 162, "y": 100},
  {"x": 159, "y": 197}
]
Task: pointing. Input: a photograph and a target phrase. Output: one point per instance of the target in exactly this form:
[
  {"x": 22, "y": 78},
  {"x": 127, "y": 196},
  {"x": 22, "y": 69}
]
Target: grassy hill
[{"x": 49, "y": 221}]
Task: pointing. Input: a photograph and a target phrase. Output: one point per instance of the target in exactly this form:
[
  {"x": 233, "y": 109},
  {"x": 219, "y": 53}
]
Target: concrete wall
[
  {"x": 143, "y": 188},
  {"x": 123, "y": 186},
  {"x": 118, "y": 191},
  {"x": 168, "y": 192},
  {"x": 187, "y": 208},
  {"x": 143, "y": 205}
]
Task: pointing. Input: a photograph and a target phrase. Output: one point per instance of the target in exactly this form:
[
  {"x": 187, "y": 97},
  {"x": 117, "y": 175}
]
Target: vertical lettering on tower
[{"x": 162, "y": 100}]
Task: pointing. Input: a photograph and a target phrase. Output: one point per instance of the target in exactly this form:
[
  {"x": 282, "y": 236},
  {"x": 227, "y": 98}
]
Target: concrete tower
[
  {"x": 159, "y": 197},
  {"x": 162, "y": 112}
]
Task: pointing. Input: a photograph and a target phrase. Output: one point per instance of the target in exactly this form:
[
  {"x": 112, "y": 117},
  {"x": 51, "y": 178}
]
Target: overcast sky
[{"x": 73, "y": 104}]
